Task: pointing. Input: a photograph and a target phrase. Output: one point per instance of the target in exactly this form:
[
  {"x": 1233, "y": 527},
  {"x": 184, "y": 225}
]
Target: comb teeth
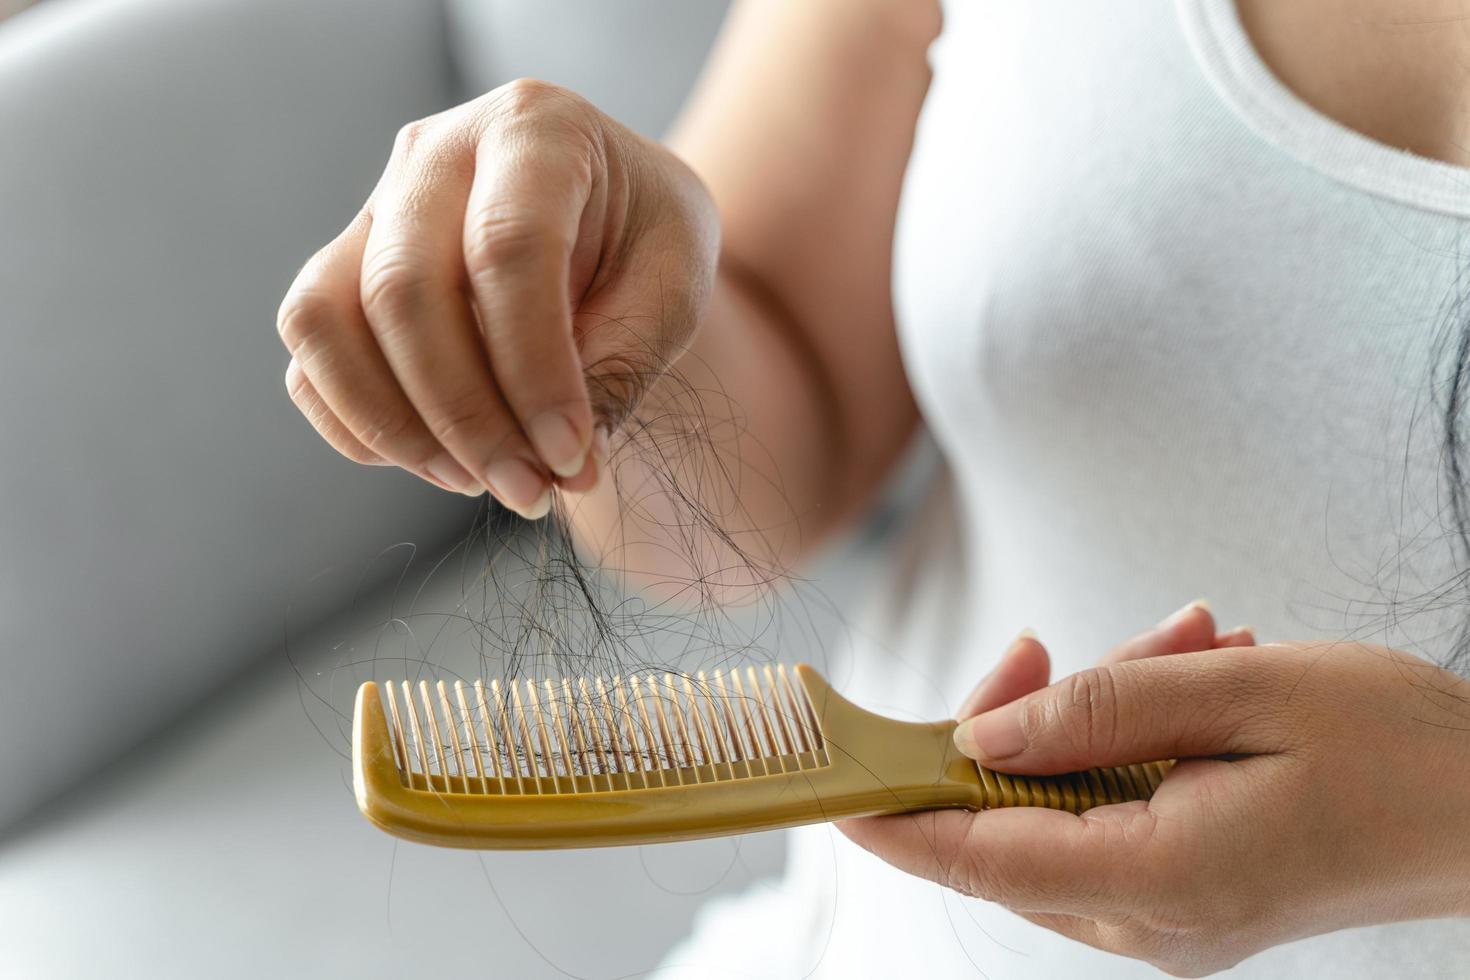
[{"x": 575, "y": 736}]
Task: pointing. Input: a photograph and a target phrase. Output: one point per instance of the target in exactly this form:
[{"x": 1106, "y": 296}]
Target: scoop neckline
[{"x": 1236, "y": 71}]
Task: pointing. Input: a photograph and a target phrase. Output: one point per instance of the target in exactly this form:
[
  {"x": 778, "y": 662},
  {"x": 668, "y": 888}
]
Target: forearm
[
  {"x": 801, "y": 131},
  {"x": 724, "y": 474}
]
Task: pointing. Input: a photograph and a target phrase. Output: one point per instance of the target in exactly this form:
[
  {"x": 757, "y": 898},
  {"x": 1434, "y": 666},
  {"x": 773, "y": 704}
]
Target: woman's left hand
[{"x": 1320, "y": 786}]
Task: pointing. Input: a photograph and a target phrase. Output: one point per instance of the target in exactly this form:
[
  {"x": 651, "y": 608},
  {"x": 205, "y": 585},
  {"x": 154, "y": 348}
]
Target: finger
[
  {"x": 306, "y": 399},
  {"x": 321, "y": 322},
  {"x": 1024, "y": 858},
  {"x": 1024, "y": 667},
  {"x": 592, "y": 469},
  {"x": 1185, "y": 631},
  {"x": 1241, "y": 636},
  {"x": 520, "y": 229},
  {"x": 412, "y": 290},
  {"x": 1190, "y": 704}
]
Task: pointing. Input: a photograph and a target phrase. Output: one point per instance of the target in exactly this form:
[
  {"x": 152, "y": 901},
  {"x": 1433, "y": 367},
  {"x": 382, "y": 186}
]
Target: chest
[
  {"x": 1397, "y": 72},
  {"x": 1084, "y": 212},
  {"x": 1126, "y": 303}
]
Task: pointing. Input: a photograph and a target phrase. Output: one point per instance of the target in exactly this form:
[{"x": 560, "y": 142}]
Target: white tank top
[{"x": 1173, "y": 333}]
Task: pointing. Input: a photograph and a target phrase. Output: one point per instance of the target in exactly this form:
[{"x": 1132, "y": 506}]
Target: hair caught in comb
[{"x": 606, "y": 735}]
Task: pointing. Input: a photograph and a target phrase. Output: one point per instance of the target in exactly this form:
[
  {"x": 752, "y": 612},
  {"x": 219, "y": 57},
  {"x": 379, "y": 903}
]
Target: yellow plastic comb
[{"x": 568, "y": 763}]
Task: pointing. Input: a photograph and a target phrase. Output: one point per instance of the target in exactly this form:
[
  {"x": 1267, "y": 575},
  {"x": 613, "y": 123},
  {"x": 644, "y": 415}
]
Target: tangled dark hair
[{"x": 1452, "y": 392}]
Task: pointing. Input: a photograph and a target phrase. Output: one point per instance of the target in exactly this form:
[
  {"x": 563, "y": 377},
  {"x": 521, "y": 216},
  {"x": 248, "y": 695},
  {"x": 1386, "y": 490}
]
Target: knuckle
[
  {"x": 495, "y": 239},
  {"x": 355, "y": 451},
  {"x": 303, "y": 318},
  {"x": 394, "y": 285},
  {"x": 527, "y": 96},
  {"x": 990, "y": 877},
  {"x": 321, "y": 418},
  {"x": 1084, "y": 712},
  {"x": 386, "y": 434},
  {"x": 964, "y": 874},
  {"x": 429, "y": 151},
  {"x": 297, "y": 385},
  {"x": 465, "y": 419},
  {"x": 540, "y": 113},
  {"x": 410, "y": 137},
  {"x": 318, "y": 415},
  {"x": 1190, "y": 939}
]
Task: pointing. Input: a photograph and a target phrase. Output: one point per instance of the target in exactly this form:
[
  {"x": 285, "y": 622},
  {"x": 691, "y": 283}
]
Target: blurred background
[{"x": 191, "y": 580}]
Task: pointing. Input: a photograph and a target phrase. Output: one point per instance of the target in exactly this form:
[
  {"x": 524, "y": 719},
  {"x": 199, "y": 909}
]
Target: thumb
[{"x": 1192, "y": 704}]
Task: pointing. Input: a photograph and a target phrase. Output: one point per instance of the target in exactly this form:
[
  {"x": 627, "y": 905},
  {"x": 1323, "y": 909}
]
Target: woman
[{"x": 1171, "y": 305}]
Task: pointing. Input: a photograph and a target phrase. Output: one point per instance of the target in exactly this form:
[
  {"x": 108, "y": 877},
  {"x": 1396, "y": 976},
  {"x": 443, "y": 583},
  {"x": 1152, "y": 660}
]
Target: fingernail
[
  {"x": 978, "y": 695},
  {"x": 539, "y": 508},
  {"x": 447, "y": 471},
  {"x": 519, "y": 486},
  {"x": 1174, "y": 617},
  {"x": 1240, "y": 636},
  {"x": 556, "y": 441},
  {"x": 994, "y": 735}
]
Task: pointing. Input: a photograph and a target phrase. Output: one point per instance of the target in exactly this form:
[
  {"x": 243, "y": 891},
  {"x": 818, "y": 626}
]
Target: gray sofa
[{"x": 185, "y": 564}]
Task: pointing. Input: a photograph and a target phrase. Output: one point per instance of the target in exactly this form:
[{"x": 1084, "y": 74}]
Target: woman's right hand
[{"x": 524, "y": 270}]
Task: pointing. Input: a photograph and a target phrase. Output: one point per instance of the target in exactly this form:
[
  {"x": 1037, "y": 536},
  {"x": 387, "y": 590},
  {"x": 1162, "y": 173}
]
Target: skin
[
  {"x": 527, "y": 269},
  {"x": 1319, "y": 789},
  {"x": 524, "y": 254},
  {"x": 1398, "y": 72}
]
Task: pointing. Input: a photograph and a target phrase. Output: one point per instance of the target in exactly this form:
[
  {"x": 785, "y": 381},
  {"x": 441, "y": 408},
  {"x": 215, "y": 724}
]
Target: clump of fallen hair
[
  {"x": 514, "y": 599},
  {"x": 547, "y": 607}
]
